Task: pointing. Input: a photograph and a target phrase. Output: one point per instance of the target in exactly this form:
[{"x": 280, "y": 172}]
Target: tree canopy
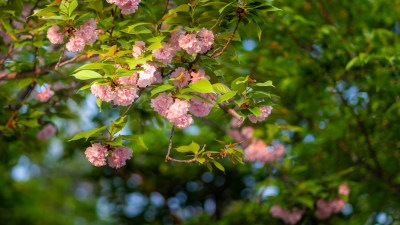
[{"x": 199, "y": 112}]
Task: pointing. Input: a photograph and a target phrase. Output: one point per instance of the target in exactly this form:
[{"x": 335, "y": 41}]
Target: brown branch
[
  {"x": 168, "y": 158},
  {"x": 228, "y": 110},
  {"x": 59, "y": 59},
  {"x": 229, "y": 40},
  {"x": 129, "y": 108},
  {"x": 162, "y": 15},
  {"x": 40, "y": 70}
]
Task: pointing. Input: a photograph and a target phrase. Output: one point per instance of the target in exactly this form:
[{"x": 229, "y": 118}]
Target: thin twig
[
  {"x": 162, "y": 16},
  {"x": 228, "y": 110},
  {"x": 168, "y": 158},
  {"x": 39, "y": 70},
  {"x": 229, "y": 40},
  {"x": 59, "y": 59}
]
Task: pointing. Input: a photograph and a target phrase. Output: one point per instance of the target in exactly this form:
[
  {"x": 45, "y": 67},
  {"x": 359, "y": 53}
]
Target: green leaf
[
  {"x": 115, "y": 142},
  {"x": 219, "y": 166},
  {"x": 354, "y": 61},
  {"x": 255, "y": 110},
  {"x": 92, "y": 66},
  {"x": 49, "y": 11},
  {"x": 224, "y": 7},
  {"x": 117, "y": 125},
  {"x": 135, "y": 139},
  {"x": 87, "y": 74},
  {"x": 98, "y": 102},
  {"x": 24, "y": 82},
  {"x": 29, "y": 123},
  {"x": 156, "y": 39},
  {"x": 305, "y": 200},
  {"x": 161, "y": 88},
  {"x": 96, "y": 5},
  {"x": 226, "y": 96},
  {"x": 221, "y": 88},
  {"x": 72, "y": 6},
  {"x": 200, "y": 159},
  {"x": 239, "y": 84},
  {"x": 265, "y": 84},
  {"x": 209, "y": 166},
  {"x": 154, "y": 46},
  {"x": 193, "y": 147},
  {"x": 88, "y": 134},
  {"x": 202, "y": 86}
]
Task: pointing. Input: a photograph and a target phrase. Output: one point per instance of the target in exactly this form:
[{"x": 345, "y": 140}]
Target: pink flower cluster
[
  {"x": 193, "y": 42},
  {"x": 47, "y": 131},
  {"x": 164, "y": 54},
  {"x": 176, "y": 110},
  {"x": 126, "y": 6},
  {"x": 285, "y": 215},
  {"x": 43, "y": 96},
  {"x": 97, "y": 154},
  {"x": 255, "y": 149},
  {"x": 54, "y": 36},
  {"x": 326, "y": 208},
  {"x": 86, "y": 34},
  {"x": 258, "y": 151},
  {"x": 265, "y": 111}
]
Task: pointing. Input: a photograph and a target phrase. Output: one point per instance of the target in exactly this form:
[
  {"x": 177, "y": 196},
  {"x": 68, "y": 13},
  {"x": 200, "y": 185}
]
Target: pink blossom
[
  {"x": 326, "y": 208},
  {"x": 162, "y": 103},
  {"x": 207, "y": 40},
  {"x": 199, "y": 107},
  {"x": 96, "y": 154},
  {"x": 344, "y": 189},
  {"x": 247, "y": 132},
  {"x": 235, "y": 123},
  {"x": 164, "y": 54},
  {"x": 119, "y": 156},
  {"x": 285, "y": 215},
  {"x": 76, "y": 44},
  {"x": 200, "y": 74},
  {"x": 179, "y": 108},
  {"x": 126, "y": 6},
  {"x": 183, "y": 121},
  {"x": 265, "y": 111},
  {"x": 103, "y": 92},
  {"x": 129, "y": 80},
  {"x": 88, "y": 31},
  {"x": 177, "y": 114},
  {"x": 337, "y": 205},
  {"x": 190, "y": 43},
  {"x": 158, "y": 78},
  {"x": 54, "y": 36},
  {"x": 138, "y": 49},
  {"x": 258, "y": 151},
  {"x": 184, "y": 79},
  {"x": 276, "y": 211},
  {"x": 174, "y": 40},
  {"x": 146, "y": 77},
  {"x": 47, "y": 131},
  {"x": 43, "y": 96},
  {"x": 124, "y": 96}
]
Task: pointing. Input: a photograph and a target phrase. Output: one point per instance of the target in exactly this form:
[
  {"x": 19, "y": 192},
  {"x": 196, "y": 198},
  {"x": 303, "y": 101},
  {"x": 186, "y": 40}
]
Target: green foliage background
[{"x": 335, "y": 66}]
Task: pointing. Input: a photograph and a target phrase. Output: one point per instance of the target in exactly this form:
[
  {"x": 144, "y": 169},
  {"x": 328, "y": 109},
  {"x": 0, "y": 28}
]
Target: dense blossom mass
[
  {"x": 97, "y": 155},
  {"x": 86, "y": 34},
  {"x": 326, "y": 208},
  {"x": 126, "y": 6},
  {"x": 286, "y": 215},
  {"x": 54, "y": 36}
]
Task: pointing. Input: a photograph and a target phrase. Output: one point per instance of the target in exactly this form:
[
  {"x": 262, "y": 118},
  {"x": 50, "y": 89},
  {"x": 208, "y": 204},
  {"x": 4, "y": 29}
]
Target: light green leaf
[
  {"x": 202, "y": 86},
  {"x": 221, "y": 88},
  {"x": 154, "y": 46},
  {"x": 161, "y": 88},
  {"x": 226, "y": 96},
  {"x": 219, "y": 166},
  {"x": 88, "y": 134},
  {"x": 255, "y": 110},
  {"x": 87, "y": 74},
  {"x": 265, "y": 84}
]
